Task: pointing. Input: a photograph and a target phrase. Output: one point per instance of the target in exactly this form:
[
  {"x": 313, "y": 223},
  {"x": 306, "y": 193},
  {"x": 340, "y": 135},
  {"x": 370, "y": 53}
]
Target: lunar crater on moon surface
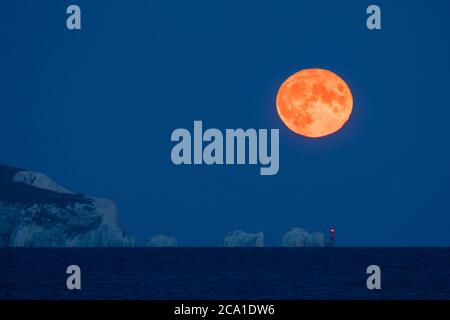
[{"x": 314, "y": 102}]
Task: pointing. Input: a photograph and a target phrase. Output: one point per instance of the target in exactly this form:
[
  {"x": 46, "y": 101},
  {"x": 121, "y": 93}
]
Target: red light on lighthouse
[{"x": 332, "y": 236}]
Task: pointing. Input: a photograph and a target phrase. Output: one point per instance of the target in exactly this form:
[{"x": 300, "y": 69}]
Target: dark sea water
[{"x": 225, "y": 273}]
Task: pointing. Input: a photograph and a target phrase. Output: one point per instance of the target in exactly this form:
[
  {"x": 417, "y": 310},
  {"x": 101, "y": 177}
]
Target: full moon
[{"x": 314, "y": 102}]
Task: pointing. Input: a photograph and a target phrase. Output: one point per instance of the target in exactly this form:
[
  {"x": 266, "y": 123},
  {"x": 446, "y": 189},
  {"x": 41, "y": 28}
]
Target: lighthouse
[{"x": 331, "y": 243}]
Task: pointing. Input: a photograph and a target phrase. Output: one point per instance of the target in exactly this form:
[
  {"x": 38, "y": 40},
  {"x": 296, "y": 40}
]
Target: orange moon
[{"x": 314, "y": 102}]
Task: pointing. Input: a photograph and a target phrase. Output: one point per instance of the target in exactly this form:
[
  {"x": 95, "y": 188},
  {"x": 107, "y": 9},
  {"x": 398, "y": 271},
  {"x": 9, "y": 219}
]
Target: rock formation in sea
[
  {"x": 240, "y": 238},
  {"x": 297, "y": 237},
  {"x": 161, "y": 240}
]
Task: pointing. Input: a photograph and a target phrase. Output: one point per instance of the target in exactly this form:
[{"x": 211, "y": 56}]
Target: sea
[{"x": 224, "y": 273}]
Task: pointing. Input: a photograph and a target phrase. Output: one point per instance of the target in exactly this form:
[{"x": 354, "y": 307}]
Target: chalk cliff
[{"x": 36, "y": 212}]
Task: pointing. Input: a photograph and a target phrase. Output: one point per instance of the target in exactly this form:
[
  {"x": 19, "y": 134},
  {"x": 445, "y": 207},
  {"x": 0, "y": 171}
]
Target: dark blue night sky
[{"x": 94, "y": 109}]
